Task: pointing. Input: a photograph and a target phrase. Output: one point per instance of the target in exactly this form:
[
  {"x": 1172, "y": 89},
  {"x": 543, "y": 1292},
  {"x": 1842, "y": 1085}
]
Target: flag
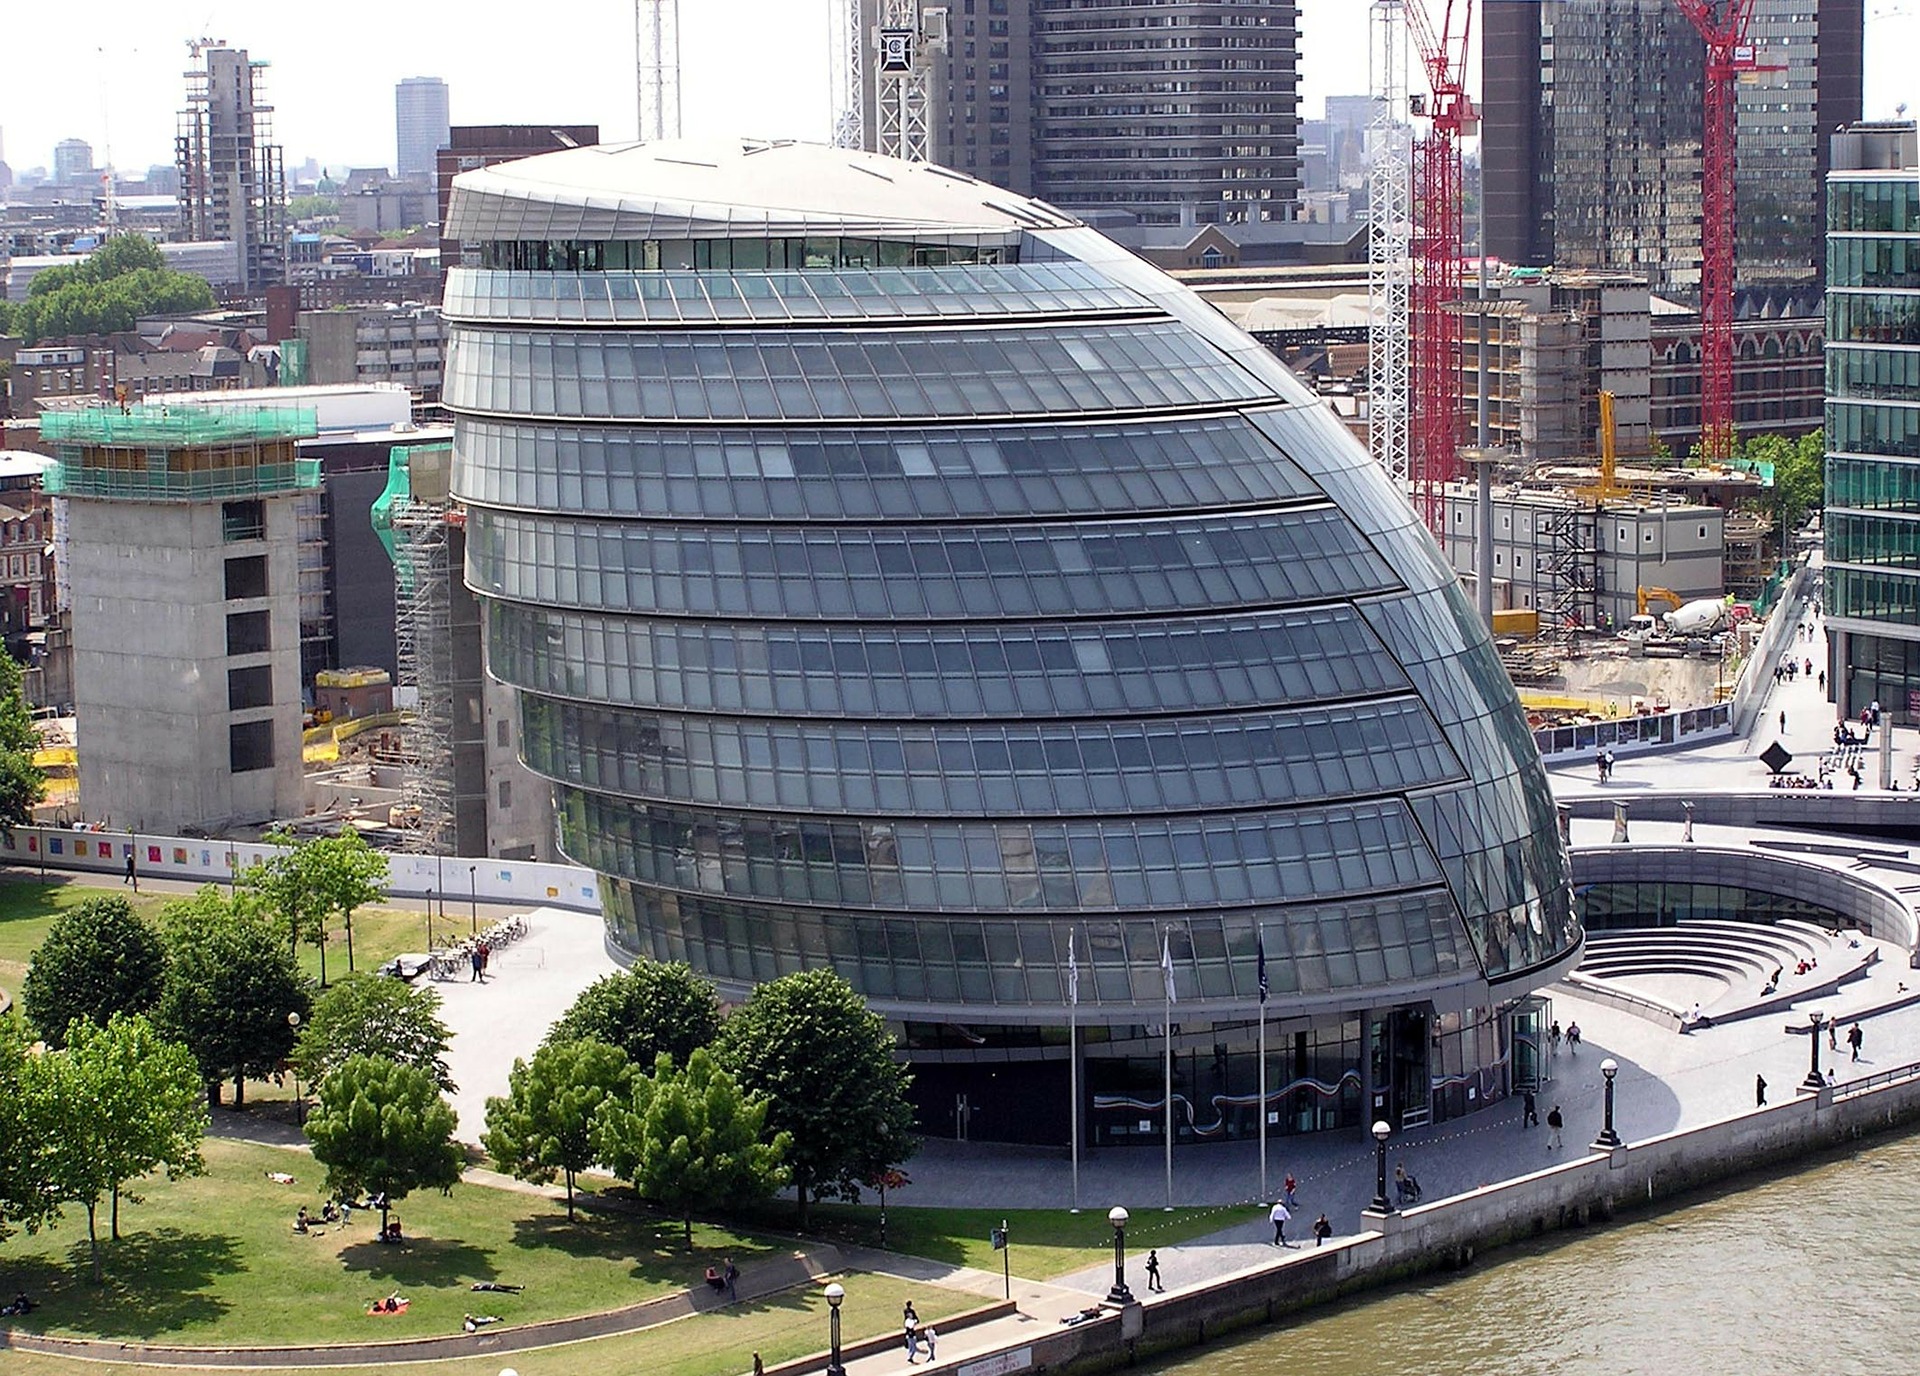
[
  {"x": 1260, "y": 964},
  {"x": 1073, "y": 973},
  {"x": 1166, "y": 964}
]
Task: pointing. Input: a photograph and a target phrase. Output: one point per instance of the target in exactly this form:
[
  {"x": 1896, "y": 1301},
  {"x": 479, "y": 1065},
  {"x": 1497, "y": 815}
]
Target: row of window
[
  {"x": 1873, "y": 427},
  {"x": 1873, "y": 262},
  {"x": 1872, "y": 484},
  {"x": 1217, "y": 663},
  {"x": 1166, "y": 764},
  {"x": 1311, "y": 949},
  {"x": 726, "y": 255},
  {"x": 700, "y": 297},
  {"x": 1877, "y": 206},
  {"x": 864, "y": 375},
  {"x": 1873, "y": 595},
  {"x": 1884, "y": 540},
  {"x": 1876, "y": 318},
  {"x": 923, "y": 474},
  {"x": 1139, "y": 862},
  {"x": 1854, "y": 371},
  {"x": 931, "y": 572}
]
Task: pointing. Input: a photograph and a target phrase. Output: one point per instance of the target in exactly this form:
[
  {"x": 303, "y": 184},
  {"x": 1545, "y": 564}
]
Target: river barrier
[{"x": 1449, "y": 1233}]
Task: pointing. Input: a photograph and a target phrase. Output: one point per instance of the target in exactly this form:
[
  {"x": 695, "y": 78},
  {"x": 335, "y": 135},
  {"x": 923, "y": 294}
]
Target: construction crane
[
  {"x": 1723, "y": 26},
  {"x": 1389, "y": 236},
  {"x": 1435, "y": 305},
  {"x": 906, "y": 42},
  {"x": 846, "y": 68},
  {"x": 656, "y": 38}
]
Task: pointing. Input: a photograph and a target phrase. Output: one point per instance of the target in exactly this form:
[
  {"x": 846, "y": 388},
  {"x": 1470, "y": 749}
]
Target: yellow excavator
[
  {"x": 1646, "y": 595},
  {"x": 1609, "y": 488}
]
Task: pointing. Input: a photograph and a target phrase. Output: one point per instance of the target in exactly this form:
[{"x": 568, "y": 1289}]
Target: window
[
  {"x": 247, "y": 577},
  {"x": 250, "y": 746},
  {"x": 501, "y": 733},
  {"x": 251, "y": 687},
  {"x": 243, "y": 521},
  {"x": 505, "y": 790},
  {"x": 249, "y": 633}
]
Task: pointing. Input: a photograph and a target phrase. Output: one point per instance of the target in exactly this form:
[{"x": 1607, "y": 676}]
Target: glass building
[
  {"x": 1872, "y": 597},
  {"x": 901, "y": 578}
]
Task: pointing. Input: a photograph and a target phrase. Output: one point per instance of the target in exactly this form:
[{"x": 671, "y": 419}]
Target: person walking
[
  {"x": 1783, "y": 720},
  {"x": 732, "y": 1276},
  {"x": 929, "y": 1336},
  {"x": 1554, "y": 1123},
  {"x": 1553, "y": 1039},
  {"x": 1759, "y": 1091},
  {"x": 759, "y": 1367},
  {"x": 1286, "y": 1192},
  {"x": 473, "y": 962},
  {"x": 1322, "y": 1229},
  {"x": 1153, "y": 1271},
  {"x": 1573, "y": 1037},
  {"x": 1529, "y": 1110},
  {"x": 133, "y": 874},
  {"x": 1833, "y": 1034},
  {"x": 1855, "y": 1037},
  {"x": 1279, "y": 1214},
  {"x": 910, "y": 1323}
]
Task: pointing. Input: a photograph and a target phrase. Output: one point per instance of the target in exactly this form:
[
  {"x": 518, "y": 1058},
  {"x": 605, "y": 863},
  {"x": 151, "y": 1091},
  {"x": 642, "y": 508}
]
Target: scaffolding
[
  {"x": 412, "y": 520},
  {"x": 1389, "y": 245}
]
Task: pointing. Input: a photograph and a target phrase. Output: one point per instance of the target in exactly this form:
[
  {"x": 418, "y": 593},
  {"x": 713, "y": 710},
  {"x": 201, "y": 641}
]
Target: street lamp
[
  {"x": 1381, "y": 1131},
  {"x": 299, "y": 1104},
  {"x": 835, "y": 1294},
  {"x": 1814, "y": 1080},
  {"x": 1117, "y": 1216},
  {"x": 1608, "y": 1138},
  {"x": 473, "y": 897}
]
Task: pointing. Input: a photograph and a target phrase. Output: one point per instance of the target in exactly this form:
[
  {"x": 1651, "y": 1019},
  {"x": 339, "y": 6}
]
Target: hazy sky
[{"x": 110, "y": 72}]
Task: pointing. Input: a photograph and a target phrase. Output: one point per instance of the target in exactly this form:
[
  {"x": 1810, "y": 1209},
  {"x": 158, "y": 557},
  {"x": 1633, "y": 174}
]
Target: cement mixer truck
[{"x": 1700, "y": 617}]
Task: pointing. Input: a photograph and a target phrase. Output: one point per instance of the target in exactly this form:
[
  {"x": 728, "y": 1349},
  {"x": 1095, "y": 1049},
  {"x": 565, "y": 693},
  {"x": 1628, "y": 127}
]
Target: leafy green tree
[
  {"x": 118, "y": 256},
  {"x": 109, "y": 290},
  {"x": 690, "y": 1139},
  {"x": 312, "y": 207},
  {"x": 310, "y": 879},
  {"x": 228, "y": 988},
  {"x": 655, "y": 1006},
  {"x": 371, "y": 1015},
  {"x": 545, "y": 1124},
  {"x": 22, "y": 785},
  {"x": 119, "y": 1102},
  {"x": 383, "y": 1129},
  {"x": 26, "y": 1190},
  {"x": 99, "y": 958},
  {"x": 807, "y": 1044}
]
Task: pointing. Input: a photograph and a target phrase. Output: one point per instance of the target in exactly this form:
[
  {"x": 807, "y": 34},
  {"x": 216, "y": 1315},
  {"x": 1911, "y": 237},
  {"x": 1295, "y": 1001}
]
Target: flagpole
[
  {"x": 1166, "y": 960},
  {"x": 1073, "y": 1061},
  {"x": 1260, "y": 1119}
]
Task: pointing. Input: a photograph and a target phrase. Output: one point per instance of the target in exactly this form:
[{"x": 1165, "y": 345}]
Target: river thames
[{"x": 1818, "y": 1271}]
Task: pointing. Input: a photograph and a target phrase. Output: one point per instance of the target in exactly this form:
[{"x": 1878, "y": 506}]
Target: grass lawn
[
  {"x": 779, "y": 1328},
  {"x": 1044, "y": 1242},
  {"x": 214, "y": 1260}
]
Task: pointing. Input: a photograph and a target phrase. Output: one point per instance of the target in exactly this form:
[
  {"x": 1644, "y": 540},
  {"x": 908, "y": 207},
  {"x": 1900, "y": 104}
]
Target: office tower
[
  {"x": 903, "y": 579},
  {"x": 233, "y": 184},
  {"x": 1592, "y": 136},
  {"x": 72, "y": 162},
  {"x": 1873, "y": 419},
  {"x": 420, "y": 124}
]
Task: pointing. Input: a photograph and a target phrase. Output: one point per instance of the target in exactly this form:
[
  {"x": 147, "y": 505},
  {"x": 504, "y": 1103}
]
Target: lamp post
[
  {"x": 1381, "y": 1131},
  {"x": 299, "y": 1104},
  {"x": 1608, "y": 1138},
  {"x": 835, "y": 1294},
  {"x": 1117, "y": 1216},
  {"x": 1814, "y": 1080},
  {"x": 473, "y": 897}
]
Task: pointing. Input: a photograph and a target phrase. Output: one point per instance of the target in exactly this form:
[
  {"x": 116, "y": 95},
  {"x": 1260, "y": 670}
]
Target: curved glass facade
[{"x": 934, "y": 623}]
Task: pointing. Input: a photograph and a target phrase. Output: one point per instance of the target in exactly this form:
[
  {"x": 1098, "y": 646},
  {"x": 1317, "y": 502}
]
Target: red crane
[
  {"x": 1723, "y": 26},
  {"x": 1434, "y": 308}
]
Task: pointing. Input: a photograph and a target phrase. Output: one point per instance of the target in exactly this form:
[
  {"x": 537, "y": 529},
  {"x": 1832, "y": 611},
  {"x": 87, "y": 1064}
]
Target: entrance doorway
[{"x": 1402, "y": 1088}]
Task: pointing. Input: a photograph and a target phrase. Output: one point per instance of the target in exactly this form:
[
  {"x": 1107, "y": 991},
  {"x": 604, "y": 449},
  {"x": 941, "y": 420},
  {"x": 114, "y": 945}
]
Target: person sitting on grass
[
  {"x": 301, "y": 1220},
  {"x": 394, "y": 1303}
]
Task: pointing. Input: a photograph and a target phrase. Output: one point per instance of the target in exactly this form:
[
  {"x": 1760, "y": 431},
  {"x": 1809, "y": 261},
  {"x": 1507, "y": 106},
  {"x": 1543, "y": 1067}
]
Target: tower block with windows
[{"x": 180, "y": 562}]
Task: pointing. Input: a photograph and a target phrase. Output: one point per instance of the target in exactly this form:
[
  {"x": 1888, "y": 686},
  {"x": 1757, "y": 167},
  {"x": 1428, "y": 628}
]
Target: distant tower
[
  {"x": 72, "y": 162},
  {"x": 420, "y": 119},
  {"x": 233, "y": 184}
]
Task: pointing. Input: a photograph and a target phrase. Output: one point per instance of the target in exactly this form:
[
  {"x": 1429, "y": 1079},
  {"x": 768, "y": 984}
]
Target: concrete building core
[{"x": 181, "y": 536}]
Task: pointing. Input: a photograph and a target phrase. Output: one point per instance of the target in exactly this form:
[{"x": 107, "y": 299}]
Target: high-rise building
[
  {"x": 233, "y": 184},
  {"x": 72, "y": 162},
  {"x": 1184, "y": 114},
  {"x": 903, "y": 579},
  {"x": 1592, "y": 135},
  {"x": 1872, "y": 518},
  {"x": 421, "y": 124}
]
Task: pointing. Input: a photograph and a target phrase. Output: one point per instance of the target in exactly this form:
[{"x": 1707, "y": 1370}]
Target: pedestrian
[
  {"x": 133, "y": 875},
  {"x": 930, "y": 1337},
  {"x": 910, "y": 1323},
  {"x": 1600, "y": 764},
  {"x": 1607, "y": 754},
  {"x": 1554, "y": 1123},
  {"x": 1286, "y": 1192},
  {"x": 1322, "y": 1229},
  {"x": 1823, "y": 680},
  {"x": 732, "y": 1274},
  {"x": 1573, "y": 1037},
  {"x": 1783, "y": 720},
  {"x": 1553, "y": 1039},
  {"x": 759, "y": 1367},
  {"x": 473, "y": 961},
  {"x": 1833, "y": 1034},
  {"x": 1279, "y": 1214},
  {"x": 1153, "y": 1270},
  {"x": 1854, "y": 1039},
  {"x": 1759, "y": 1091},
  {"x": 1529, "y": 1110}
]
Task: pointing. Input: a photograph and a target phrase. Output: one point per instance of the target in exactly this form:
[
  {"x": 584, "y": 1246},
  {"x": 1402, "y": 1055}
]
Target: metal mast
[
  {"x": 907, "y": 40},
  {"x": 1723, "y": 26},
  {"x": 1437, "y": 413},
  {"x": 423, "y": 636},
  {"x": 1389, "y": 268},
  {"x": 656, "y": 36},
  {"x": 847, "y": 64}
]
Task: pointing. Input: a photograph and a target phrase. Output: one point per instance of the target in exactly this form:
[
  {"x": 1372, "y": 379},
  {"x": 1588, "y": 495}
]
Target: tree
[
  {"x": 545, "y": 1124},
  {"x": 26, "y": 1191},
  {"x": 808, "y": 1045},
  {"x": 383, "y": 1129},
  {"x": 99, "y": 958},
  {"x": 690, "y": 1139},
  {"x": 119, "y": 1102},
  {"x": 108, "y": 291},
  {"x": 228, "y": 988},
  {"x": 344, "y": 874},
  {"x": 655, "y": 1006},
  {"x": 21, "y": 782},
  {"x": 371, "y": 1015}
]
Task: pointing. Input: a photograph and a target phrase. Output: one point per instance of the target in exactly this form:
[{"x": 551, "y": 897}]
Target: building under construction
[{"x": 233, "y": 185}]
